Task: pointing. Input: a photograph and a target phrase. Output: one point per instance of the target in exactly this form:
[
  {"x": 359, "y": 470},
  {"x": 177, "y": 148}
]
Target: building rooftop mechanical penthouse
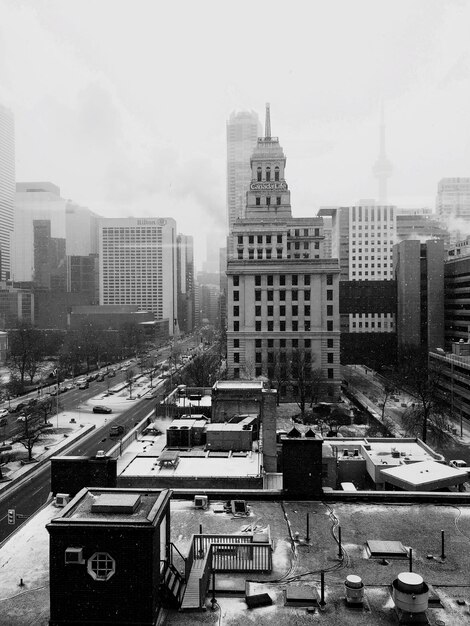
[{"x": 282, "y": 305}]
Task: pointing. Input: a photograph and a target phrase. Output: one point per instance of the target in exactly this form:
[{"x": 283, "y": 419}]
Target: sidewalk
[{"x": 69, "y": 426}]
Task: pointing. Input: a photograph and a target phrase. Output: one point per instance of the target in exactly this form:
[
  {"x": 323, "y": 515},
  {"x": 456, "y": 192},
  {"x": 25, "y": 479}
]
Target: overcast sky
[{"x": 123, "y": 103}]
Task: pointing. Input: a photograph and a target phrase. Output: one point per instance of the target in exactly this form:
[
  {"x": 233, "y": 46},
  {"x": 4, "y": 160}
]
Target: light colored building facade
[
  {"x": 243, "y": 130},
  {"x": 453, "y": 206},
  {"x": 138, "y": 259},
  {"x": 7, "y": 188},
  {"x": 282, "y": 293}
]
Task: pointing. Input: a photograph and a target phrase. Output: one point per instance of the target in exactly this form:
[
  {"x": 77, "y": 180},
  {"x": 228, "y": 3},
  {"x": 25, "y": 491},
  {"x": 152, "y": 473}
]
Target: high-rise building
[
  {"x": 7, "y": 189},
  {"x": 419, "y": 273},
  {"x": 138, "y": 265},
  {"x": 185, "y": 280},
  {"x": 363, "y": 237},
  {"x": 36, "y": 201},
  {"x": 282, "y": 300},
  {"x": 453, "y": 206},
  {"x": 243, "y": 130}
]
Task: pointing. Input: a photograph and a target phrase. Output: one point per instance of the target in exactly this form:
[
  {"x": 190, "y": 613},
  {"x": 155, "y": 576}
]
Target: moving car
[
  {"x": 84, "y": 385},
  {"x": 101, "y": 409},
  {"x": 116, "y": 431},
  {"x": 458, "y": 464}
]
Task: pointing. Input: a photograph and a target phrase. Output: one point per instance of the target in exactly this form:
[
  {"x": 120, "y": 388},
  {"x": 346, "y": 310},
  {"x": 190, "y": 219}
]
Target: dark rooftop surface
[{"x": 296, "y": 563}]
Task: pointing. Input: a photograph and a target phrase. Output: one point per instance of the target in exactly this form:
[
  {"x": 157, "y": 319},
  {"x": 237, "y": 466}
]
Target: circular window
[{"x": 101, "y": 566}]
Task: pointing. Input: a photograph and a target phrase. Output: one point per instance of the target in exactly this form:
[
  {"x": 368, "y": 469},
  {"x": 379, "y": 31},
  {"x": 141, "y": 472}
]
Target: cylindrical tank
[
  {"x": 354, "y": 589},
  {"x": 410, "y": 592}
]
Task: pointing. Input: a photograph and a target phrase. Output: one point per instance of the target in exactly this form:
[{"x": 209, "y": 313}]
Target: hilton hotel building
[
  {"x": 282, "y": 292},
  {"x": 138, "y": 265}
]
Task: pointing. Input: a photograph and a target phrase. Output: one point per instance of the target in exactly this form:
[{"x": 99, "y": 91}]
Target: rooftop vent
[{"x": 116, "y": 503}]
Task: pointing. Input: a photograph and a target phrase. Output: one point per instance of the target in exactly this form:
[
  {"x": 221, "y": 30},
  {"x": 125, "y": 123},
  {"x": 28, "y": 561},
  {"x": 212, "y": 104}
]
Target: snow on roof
[{"x": 424, "y": 474}]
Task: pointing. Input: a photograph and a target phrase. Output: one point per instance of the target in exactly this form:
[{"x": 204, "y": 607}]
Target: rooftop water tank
[{"x": 410, "y": 593}]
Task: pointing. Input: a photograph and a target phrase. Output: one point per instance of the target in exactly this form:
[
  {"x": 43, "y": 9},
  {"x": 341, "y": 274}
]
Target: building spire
[
  {"x": 267, "y": 128},
  {"x": 383, "y": 168}
]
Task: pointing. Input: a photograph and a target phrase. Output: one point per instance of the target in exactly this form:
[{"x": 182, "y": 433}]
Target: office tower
[
  {"x": 185, "y": 280},
  {"x": 81, "y": 230},
  {"x": 419, "y": 274},
  {"x": 243, "y": 130},
  {"x": 138, "y": 265},
  {"x": 363, "y": 237},
  {"x": 453, "y": 206},
  {"x": 282, "y": 294},
  {"x": 382, "y": 169},
  {"x": 7, "y": 189},
  {"x": 39, "y": 223}
]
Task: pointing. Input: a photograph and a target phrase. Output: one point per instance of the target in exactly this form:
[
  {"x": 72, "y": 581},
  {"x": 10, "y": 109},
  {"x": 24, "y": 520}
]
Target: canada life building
[
  {"x": 282, "y": 293},
  {"x": 138, "y": 265}
]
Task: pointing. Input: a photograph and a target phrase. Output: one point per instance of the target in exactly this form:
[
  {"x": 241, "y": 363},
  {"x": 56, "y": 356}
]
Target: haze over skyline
[{"x": 124, "y": 105}]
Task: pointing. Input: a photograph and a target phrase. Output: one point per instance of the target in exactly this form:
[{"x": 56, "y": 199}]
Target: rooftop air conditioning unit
[
  {"x": 201, "y": 502},
  {"x": 74, "y": 556},
  {"x": 62, "y": 499}
]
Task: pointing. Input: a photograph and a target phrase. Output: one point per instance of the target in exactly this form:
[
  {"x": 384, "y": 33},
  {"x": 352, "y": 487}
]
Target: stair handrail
[{"x": 172, "y": 545}]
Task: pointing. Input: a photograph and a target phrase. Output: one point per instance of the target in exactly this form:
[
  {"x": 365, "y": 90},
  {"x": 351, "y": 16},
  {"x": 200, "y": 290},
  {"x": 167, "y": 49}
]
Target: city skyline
[{"x": 90, "y": 116}]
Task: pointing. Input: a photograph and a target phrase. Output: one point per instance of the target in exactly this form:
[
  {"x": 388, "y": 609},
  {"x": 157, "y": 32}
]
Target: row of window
[
  {"x": 271, "y": 357},
  {"x": 269, "y": 326},
  {"x": 271, "y": 374},
  {"x": 283, "y": 343},
  {"x": 267, "y": 174}
]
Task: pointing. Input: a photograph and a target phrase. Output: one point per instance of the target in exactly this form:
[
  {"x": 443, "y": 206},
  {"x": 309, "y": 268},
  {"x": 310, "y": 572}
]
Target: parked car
[
  {"x": 21, "y": 418},
  {"x": 101, "y": 409},
  {"x": 3, "y": 421},
  {"x": 4, "y": 412},
  {"x": 111, "y": 373},
  {"x": 84, "y": 385},
  {"x": 458, "y": 464},
  {"x": 116, "y": 431},
  {"x": 100, "y": 378}
]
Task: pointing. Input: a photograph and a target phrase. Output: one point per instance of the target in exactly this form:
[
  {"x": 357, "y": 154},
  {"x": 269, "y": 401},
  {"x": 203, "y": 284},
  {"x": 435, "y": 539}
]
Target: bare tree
[
  {"x": 26, "y": 350},
  {"x": 130, "y": 380},
  {"x": 317, "y": 383},
  {"x": 300, "y": 375},
  {"x": 278, "y": 373},
  {"x": 202, "y": 370},
  {"x": 31, "y": 432},
  {"x": 388, "y": 390},
  {"x": 422, "y": 382}
]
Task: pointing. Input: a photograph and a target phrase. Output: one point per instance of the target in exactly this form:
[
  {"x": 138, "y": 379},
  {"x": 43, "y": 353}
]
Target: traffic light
[{"x": 11, "y": 516}]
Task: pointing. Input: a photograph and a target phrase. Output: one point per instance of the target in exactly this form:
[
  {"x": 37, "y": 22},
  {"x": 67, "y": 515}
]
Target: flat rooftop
[
  {"x": 425, "y": 475},
  {"x": 202, "y": 464},
  {"x": 26, "y": 555},
  {"x": 254, "y": 385}
]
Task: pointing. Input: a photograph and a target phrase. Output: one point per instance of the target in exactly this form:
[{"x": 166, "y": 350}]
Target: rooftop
[{"x": 296, "y": 564}]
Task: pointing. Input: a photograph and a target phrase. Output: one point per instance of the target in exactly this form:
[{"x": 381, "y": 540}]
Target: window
[
  {"x": 270, "y": 311},
  {"x": 329, "y": 325},
  {"x": 270, "y": 343},
  {"x": 260, "y": 253},
  {"x": 270, "y": 326},
  {"x": 278, "y": 200},
  {"x": 295, "y": 325},
  {"x": 329, "y": 294},
  {"x": 251, "y": 253},
  {"x": 268, "y": 200},
  {"x": 258, "y": 281},
  {"x": 236, "y": 326},
  {"x": 236, "y": 343},
  {"x": 268, "y": 238},
  {"x": 295, "y": 343},
  {"x": 258, "y": 343},
  {"x": 282, "y": 279},
  {"x": 330, "y": 357},
  {"x": 101, "y": 566},
  {"x": 308, "y": 343},
  {"x": 259, "y": 238},
  {"x": 268, "y": 253},
  {"x": 329, "y": 343},
  {"x": 236, "y": 311},
  {"x": 258, "y": 172},
  {"x": 240, "y": 254},
  {"x": 251, "y": 239},
  {"x": 270, "y": 357},
  {"x": 236, "y": 372},
  {"x": 330, "y": 372},
  {"x": 276, "y": 173},
  {"x": 258, "y": 311},
  {"x": 306, "y": 280},
  {"x": 282, "y": 343},
  {"x": 270, "y": 295},
  {"x": 236, "y": 281},
  {"x": 282, "y": 327},
  {"x": 258, "y": 326},
  {"x": 329, "y": 310},
  {"x": 236, "y": 357},
  {"x": 236, "y": 296},
  {"x": 295, "y": 294},
  {"x": 270, "y": 280},
  {"x": 258, "y": 295},
  {"x": 240, "y": 239},
  {"x": 295, "y": 311},
  {"x": 258, "y": 201},
  {"x": 282, "y": 295},
  {"x": 258, "y": 371},
  {"x": 282, "y": 310},
  {"x": 307, "y": 326},
  {"x": 307, "y": 311},
  {"x": 268, "y": 174},
  {"x": 329, "y": 279},
  {"x": 295, "y": 279}
]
